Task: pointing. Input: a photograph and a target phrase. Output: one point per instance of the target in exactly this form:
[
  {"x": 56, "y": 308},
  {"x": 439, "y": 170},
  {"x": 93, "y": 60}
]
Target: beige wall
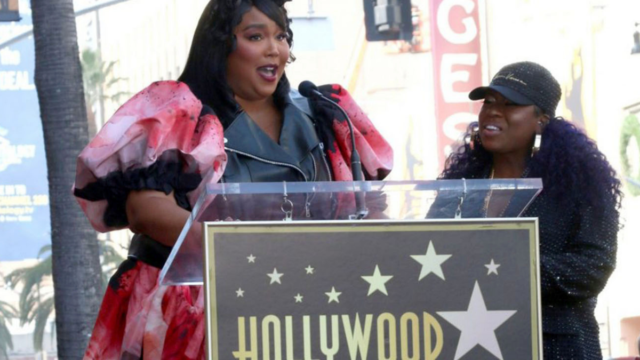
[
  {"x": 324, "y": 67},
  {"x": 149, "y": 40},
  {"x": 630, "y": 335}
]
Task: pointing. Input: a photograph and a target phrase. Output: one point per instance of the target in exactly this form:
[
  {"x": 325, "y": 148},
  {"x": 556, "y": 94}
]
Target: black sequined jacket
[{"x": 577, "y": 256}]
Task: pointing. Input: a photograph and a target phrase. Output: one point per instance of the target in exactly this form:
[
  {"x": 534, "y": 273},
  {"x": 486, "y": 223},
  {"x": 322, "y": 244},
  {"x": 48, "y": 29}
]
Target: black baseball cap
[{"x": 524, "y": 83}]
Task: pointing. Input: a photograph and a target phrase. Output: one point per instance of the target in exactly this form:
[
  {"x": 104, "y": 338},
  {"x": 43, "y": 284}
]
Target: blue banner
[{"x": 25, "y": 224}]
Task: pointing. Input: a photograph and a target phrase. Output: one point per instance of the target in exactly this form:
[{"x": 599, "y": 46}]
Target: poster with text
[{"x": 24, "y": 198}]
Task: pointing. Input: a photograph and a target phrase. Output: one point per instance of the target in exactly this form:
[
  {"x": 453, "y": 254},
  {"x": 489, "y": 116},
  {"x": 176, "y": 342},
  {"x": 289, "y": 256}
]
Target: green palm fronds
[
  {"x": 97, "y": 78},
  {"x": 40, "y": 315},
  {"x": 110, "y": 259},
  {"x": 7, "y": 312},
  {"x": 33, "y": 305}
]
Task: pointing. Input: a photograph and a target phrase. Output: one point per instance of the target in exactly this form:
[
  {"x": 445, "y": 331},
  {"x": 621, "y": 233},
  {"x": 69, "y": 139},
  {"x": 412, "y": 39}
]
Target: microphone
[{"x": 310, "y": 90}]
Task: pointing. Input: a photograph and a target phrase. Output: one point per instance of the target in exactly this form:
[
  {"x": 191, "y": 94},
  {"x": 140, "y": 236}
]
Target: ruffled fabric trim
[
  {"x": 155, "y": 133},
  {"x": 115, "y": 187}
]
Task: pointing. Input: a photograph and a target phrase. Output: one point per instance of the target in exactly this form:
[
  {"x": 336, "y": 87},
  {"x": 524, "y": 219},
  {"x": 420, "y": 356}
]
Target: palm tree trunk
[{"x": 76, "y": 266}]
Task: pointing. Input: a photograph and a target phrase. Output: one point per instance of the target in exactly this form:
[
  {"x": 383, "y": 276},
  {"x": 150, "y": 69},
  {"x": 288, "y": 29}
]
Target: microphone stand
[{"x": 356, "y": 164}]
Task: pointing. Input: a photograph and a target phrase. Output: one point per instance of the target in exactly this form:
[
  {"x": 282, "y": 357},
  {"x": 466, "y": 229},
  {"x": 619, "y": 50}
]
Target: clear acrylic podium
[
  {"x": 382, "y": 269},
  {"x": 321, "y": 201}
]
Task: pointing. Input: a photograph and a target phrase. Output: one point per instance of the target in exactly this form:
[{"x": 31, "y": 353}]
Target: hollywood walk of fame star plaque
[{"x": 373, "y": 290}]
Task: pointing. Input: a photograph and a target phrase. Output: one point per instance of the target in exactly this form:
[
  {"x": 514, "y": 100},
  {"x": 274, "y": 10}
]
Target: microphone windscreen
[{"x": 306, "y": 88}]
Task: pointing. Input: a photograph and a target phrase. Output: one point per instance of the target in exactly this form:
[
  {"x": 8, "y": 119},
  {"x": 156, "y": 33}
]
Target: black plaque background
[{"x": 340, "y": 257}]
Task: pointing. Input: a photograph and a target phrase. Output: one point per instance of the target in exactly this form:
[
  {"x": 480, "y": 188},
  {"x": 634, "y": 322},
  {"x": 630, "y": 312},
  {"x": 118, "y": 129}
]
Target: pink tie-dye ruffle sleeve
[
  {"x": 157, "y": 140},
  {"x": 375, "y": 152}
]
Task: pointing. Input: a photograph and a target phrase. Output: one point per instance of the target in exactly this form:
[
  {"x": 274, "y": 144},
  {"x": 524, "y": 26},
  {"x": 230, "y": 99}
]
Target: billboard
[
  {"x": 457, "y": 68},
  {"x": 24, "y": 201}
]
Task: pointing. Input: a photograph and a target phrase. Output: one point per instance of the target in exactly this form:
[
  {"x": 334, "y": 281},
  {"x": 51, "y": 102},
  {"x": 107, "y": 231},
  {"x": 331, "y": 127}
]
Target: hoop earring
[
  {"x": 536, "y": 145},
  {"x": 474, "y": 139},
  {"x": 537, "y": 142}
]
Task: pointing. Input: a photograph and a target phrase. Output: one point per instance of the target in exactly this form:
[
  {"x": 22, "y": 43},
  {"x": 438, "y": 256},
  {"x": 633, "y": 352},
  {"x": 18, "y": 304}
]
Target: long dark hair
[
  {"x": 213, "y": 41},
  {"x": 572, "y": 169}
]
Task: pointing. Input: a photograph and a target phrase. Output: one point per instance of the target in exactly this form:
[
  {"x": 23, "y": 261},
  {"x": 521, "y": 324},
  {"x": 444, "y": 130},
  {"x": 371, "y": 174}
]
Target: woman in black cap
[{"x": 518, "y": 135}]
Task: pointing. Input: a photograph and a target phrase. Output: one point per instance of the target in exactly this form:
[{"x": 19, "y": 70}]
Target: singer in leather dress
[
  {"x": 134, "y": 303},
  {"x": 314, "y": 145},
  {"x": 253, "y": 157},
  {"x": 143, "y": 168}
]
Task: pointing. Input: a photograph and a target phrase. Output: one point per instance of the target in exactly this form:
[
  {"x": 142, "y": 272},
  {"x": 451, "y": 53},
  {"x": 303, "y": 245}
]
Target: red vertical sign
[{"x": 457, "y": 68}]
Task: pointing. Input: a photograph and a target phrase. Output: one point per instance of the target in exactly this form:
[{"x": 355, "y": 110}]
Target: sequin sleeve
[
  {"x": 157, "y": 140},
  {"x": 581, "y": 269}
]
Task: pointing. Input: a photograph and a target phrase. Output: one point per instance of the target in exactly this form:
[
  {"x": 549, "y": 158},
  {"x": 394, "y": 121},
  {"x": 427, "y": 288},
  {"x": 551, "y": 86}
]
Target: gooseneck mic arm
[{"x": 310, "y": 90}]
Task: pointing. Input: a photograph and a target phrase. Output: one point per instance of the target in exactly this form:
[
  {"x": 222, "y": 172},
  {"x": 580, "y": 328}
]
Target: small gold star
[{"x": 333, "y": 295}]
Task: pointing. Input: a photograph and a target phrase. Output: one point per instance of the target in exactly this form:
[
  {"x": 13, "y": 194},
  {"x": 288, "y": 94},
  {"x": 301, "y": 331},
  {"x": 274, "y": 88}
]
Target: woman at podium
[
  {"x": 231, "y": 114},
  {"x": 518, "y": 135}
]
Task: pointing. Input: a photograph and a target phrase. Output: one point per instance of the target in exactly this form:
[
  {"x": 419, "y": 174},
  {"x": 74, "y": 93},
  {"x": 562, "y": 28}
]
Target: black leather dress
[{"x": 254, "y": 157}]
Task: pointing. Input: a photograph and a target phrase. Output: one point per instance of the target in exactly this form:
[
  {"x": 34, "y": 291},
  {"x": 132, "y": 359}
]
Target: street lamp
[{"x": 9, "y": 10}]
